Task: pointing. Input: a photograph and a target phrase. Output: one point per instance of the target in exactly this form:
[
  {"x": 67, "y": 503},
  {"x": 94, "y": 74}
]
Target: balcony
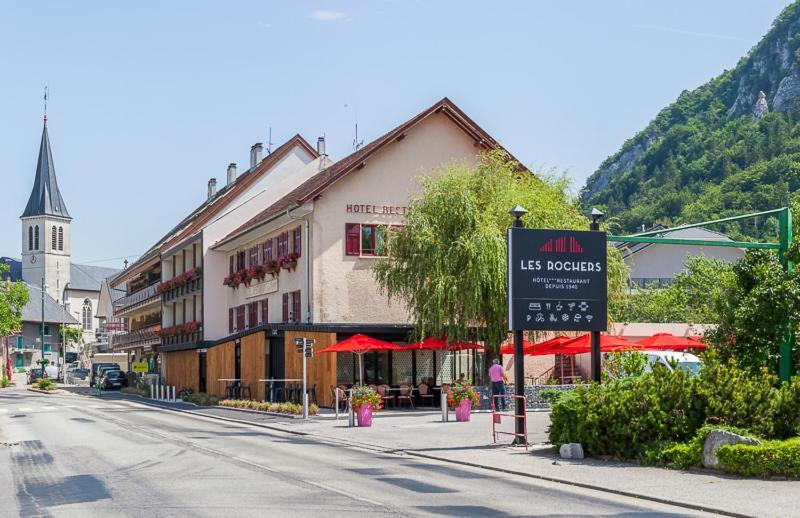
[
  {"x": 182, "y": 338},
  {"x": 136, "y": 300},
  {"x": 138, "y": 338},
  {"x": 184, "y": 290}
]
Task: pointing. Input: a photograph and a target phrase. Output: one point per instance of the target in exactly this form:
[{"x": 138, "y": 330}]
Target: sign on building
[
  {"x": 557, "y": 280},
  {"x": 139, "y": 366}
]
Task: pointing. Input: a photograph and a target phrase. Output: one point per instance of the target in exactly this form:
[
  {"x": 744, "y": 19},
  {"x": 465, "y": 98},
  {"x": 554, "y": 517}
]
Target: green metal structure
[{"x": 782, "y": 247}]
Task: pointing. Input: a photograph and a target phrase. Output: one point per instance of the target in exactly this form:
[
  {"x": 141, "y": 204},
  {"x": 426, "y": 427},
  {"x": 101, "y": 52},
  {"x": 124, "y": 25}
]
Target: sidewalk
[{"x": 424, "y": 434}]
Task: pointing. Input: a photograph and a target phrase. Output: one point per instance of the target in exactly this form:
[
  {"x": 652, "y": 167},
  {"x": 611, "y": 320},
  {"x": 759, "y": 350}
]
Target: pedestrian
[{"x": 498, "y": 378}]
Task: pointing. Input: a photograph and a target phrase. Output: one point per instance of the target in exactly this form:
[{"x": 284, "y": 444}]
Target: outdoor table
[
  {"x": 271, "y": 382},
  {"x": 412, "y": 390},
  {"x": 228, "y": 391}
]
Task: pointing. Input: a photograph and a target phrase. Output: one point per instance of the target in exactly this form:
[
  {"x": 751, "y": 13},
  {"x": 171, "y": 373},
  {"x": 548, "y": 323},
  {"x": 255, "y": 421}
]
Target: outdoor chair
[
  {"x": 312, "y": 395},
  {"x": 383, "y": 392},
  {"x": 340, "y": 395},
  {"x": 244, "y": 392},
  {"x": 406, "y": 394},
  {"x": 425, "y": 393}
]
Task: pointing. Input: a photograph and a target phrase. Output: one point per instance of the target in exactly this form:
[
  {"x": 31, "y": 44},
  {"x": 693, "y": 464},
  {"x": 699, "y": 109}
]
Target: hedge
[{"x": 773, "y": 458}]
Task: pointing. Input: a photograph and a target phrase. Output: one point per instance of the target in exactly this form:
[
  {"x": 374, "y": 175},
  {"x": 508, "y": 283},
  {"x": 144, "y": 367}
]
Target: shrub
[
  {"x": 4, "y": 382},
  {"x": 201, "y": 398},
  {"x": 787, "y": 409},
  {"x": 135, "y": 391},
  {"x": 773, "y": 458},
  {"x": 45, "y": 384},
  {"x": 551, "y": 395},
  {"x": 683, "y": 455},
  {"x": 618, "y": 365},
  {"x": 265, "y": 406}
]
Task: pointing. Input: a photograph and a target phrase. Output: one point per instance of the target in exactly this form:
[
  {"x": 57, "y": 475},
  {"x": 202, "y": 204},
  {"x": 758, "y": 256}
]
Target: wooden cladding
[
  {"x": 220, "y": 363},
  {"x": 183, "y": 370},
  {"x": 253, "y": 363},
  {"x": 321, "y": 368}
]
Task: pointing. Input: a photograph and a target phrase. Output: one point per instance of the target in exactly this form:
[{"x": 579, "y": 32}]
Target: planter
[
  {"x": 463, "y": 410},
  {"x": 364, "y": 415},
  {"x": 289, "y": 265}
]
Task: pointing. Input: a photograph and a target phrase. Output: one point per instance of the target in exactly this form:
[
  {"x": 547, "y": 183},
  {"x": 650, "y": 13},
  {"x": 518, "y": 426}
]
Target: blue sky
[{"x": 148, "y": 100}]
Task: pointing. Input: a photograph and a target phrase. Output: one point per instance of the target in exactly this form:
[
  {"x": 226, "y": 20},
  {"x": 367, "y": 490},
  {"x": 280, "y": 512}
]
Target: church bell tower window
[
  {"x": 36, "y": 237},
  {"x": 53, "y": 239},
  {"x": 61, "y": 238},
  {"x": 30, "y": 238}
]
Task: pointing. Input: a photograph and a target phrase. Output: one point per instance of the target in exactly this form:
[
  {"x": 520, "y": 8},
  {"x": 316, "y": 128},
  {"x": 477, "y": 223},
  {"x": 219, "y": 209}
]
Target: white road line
[
  {"x": 49, "y": 408},
  {"x": 3, "y": 410},
  {"x": 25, "y": 409}
]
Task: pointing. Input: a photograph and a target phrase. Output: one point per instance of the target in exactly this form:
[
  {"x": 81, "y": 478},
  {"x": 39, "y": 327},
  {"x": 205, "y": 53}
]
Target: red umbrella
[
  {"x": 437, "y": 344},
  {"x": 666, "y": 341},
  {"x": 360, "y": 344},
  {"x": 583, "y": 344},
  {"x": 529, "y": 348}
]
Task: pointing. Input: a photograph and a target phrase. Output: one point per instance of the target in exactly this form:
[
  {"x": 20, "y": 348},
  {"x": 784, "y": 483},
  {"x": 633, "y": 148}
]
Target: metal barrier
[
  {"x": 497, "y": 418},
  {"x": 161, "y": 392}
]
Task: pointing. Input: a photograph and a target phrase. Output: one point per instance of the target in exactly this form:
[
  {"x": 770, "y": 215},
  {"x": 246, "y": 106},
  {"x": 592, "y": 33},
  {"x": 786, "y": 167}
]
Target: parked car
[
  {"x": 35, "y": 375},
  {"x": 96, "y": 373},
  {"x": 113, "y": 379},
  {"x": 685, "y": 361},
  {"x": 77, "y": 374},
  {"x": 53, "y": 372}
]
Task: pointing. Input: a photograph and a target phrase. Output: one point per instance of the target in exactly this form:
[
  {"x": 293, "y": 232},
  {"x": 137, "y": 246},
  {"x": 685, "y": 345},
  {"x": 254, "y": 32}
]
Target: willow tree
[{"x": 448, "y": 263}]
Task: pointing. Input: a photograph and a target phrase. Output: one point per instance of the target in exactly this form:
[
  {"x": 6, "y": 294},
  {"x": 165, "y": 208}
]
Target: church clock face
[{"x": 33, "y": 259}]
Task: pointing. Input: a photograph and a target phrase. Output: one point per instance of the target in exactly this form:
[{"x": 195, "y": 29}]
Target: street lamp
[
  {"x": 519, "y": 359},
  {"x": 596, "y": 362},
  {"x": 41, "y": 331}
]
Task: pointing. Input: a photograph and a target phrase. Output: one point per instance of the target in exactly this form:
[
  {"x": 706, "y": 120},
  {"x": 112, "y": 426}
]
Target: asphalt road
[{"x": 78, "y": 456}]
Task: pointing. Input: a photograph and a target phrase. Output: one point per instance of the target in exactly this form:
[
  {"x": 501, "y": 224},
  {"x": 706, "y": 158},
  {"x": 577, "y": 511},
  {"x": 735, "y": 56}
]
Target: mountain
[{"x": 722, "y": 149}]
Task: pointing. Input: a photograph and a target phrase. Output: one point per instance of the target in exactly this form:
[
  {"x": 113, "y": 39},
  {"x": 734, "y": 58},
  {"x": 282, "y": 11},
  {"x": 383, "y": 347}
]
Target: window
[
  {"x": 291, "y": 306},
  {"x": 267, "y": 253},
  {"x": 54, "y": 239},
  {"x": 86, "y": 315},
  {"x": 61, "y": 238},
  {"x": 252, "y": 314},
  {"x": 47, "y": 348},
  {"x": 365, "y": 239},
  {"x": 264, "y": 311},
  {"x": 240, "y": 260},
  {"x": 283, "y": 244},
  {"x": 30, "y": 238},
  {"x": 36, "y": 237},
  {"x": 230, "y": 318},
  {"x": 253, "y": 256},
  {"x": 297, "y": 240},
  {"x": 240, "y": 316},
  {"x": 47, "y": 330}
]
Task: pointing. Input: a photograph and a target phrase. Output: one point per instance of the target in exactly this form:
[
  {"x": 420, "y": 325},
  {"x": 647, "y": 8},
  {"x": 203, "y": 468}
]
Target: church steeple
[{"x": 45, "y": 197}]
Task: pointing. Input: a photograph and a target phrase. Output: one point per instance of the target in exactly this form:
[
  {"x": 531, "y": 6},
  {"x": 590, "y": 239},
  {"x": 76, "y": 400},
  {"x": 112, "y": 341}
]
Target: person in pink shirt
[{"x": 498, "y": 378}]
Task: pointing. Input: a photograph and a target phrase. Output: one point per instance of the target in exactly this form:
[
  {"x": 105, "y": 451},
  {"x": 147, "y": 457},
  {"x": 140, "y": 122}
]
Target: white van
[{"x": 685, "y": 361}]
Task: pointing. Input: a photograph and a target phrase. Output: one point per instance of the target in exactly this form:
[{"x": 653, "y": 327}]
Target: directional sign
[
  {"x": 139, "y": 366},
  {"x": 557, "y": 280}
]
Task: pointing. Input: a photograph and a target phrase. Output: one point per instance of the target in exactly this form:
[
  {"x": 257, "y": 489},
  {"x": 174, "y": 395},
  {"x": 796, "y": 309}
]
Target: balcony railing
[
  {"x": 183, "y": 290},
  {"x": 182, "y": 338},
  {"x": 148, "y": 321},
  {"x": 139, "y": 298},
  {"x": 147, "y": 336}
]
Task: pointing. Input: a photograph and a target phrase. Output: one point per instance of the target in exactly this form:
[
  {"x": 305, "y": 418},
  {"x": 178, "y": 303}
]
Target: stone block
[
  {"x": 572, "y": 450},
  {"x": 718, "y": 438}
]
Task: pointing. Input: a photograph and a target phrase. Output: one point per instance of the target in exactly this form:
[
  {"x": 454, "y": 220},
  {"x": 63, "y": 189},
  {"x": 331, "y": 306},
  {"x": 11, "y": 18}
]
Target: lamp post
[
  {"x": 594, "y": 226},
  {"x": 41, "y": 331},
  {"x": 519, "y": 359}
]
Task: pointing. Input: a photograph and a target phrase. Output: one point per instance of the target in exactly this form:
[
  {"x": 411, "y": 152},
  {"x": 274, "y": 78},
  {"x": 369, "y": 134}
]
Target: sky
[{"x": 150, "y": 99}]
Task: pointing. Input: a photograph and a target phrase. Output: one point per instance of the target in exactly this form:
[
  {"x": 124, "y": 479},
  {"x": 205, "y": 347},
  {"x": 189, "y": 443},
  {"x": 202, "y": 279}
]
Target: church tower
[{"x": 46, "y": 228}]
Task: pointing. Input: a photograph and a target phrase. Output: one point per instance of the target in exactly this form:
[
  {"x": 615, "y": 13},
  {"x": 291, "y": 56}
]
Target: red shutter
[
  {"x": 352, "y": 238},
  {"x": 230, "y": 317},
  {"x": 252, "y": 314},
  {"x": 296, "y": 306},
  {"x": 264, "y": 311},
  {"x": 253, "y": 256},
  {"x": 285, "y": 307},
  {"x": 240, "y": 317},
  {"x": 231, "y": 270},
  {"x": 298, "y": 240}
]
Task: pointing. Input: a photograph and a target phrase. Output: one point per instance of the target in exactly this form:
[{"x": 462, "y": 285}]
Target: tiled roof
[
  {"x": 53, "y": 312},
  {"x": 209, "y": 208},
  {"x": 81, "y": 276},
  {"x": 316, "y": 184}
]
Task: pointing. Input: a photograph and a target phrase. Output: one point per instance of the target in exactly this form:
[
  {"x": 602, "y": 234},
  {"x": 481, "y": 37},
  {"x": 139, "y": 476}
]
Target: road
[{"x": 67, "y": 455}]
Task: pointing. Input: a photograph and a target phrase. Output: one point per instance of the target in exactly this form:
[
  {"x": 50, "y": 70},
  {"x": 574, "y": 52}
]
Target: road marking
[
  {"x": 25, "y": 409},
  {"x": 3, "y": 410},
  {"x": 49, "y": 407}
]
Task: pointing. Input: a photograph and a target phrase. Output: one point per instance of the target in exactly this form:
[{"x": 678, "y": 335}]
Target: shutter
[
  {"x": 230, "y": 318},
  {"x": 264, "y": 311},
  {"x": 296, "y": 306},
  {"x": 298, "y": 240},
  {"x": 285, "y": 307},
  {"x": 230, "y": 265},
  {"x": 352, "y": 239}
]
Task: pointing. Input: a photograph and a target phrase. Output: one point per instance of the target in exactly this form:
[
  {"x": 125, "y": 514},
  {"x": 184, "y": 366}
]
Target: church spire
[{"x": 45, "y": 198}]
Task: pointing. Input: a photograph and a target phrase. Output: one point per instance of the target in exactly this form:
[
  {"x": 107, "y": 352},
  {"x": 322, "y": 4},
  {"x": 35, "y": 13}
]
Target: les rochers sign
[{"x": 557, "y": 280}]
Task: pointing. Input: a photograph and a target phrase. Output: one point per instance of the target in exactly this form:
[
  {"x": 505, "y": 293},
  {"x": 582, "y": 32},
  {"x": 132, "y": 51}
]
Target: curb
[
  {"x": 43, "y": 391},
  {"x": 412, "y": 453}
]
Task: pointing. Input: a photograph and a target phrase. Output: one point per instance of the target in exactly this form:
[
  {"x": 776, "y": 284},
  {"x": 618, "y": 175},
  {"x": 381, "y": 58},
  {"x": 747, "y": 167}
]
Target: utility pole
[{"x": 41, "y": 331}]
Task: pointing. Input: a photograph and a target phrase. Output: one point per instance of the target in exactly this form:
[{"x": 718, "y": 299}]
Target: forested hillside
[{"x": 719, "y": 150}]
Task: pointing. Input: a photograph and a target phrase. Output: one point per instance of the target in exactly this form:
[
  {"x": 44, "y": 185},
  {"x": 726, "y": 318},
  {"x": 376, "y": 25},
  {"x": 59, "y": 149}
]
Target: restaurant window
[
  {"x": 297, "y": 240},
  {"x": 240, "y": 313},
  {"x": 402, "y": 367},
  {"x": 425, "y": 373},
  {"x": 230, "y": 320},
  {"x": 253, "y": 256},
  {"x": 345, "y": 368},
  {"x": 264, "y": 311},
  {"x": 369, "y": 240},
  {"x": 267, "y": 252},
  {"x": 444, "y": 365},
  {"x": 252, "y": 314},
  {"x": 376, "y": 368}
]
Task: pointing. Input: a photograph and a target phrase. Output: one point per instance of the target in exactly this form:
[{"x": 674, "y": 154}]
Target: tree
[
  {"x": 448, "y": 263},
  {"x": 70, "y": 334},
  {"x": 13, "y": 297}
]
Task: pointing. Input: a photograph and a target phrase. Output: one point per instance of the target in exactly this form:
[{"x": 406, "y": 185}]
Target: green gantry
[{"x": 782, "y": 246}]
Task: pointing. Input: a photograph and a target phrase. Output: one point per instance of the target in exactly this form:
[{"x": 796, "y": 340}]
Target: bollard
[
  {"x": 152, "y": 391},
  {"x": 173, "y": 394},
  {"x": 350, "y": 415},
  {"x": 444, "y": 407},
  {"x": 336, "y": 401}
]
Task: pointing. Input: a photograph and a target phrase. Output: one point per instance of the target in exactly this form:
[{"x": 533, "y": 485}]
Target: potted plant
[
  {"x": 289, "y": 261},
  {"x": 271, "y": 267},
  {"x": 462, "y": 397},
  {"x": 365, "y": 400}
]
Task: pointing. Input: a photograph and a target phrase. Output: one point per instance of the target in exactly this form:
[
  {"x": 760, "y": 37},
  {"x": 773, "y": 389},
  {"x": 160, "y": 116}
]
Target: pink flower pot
[
  {"x": 364, "y": 415},
  {"x": 463, "y": 410}
]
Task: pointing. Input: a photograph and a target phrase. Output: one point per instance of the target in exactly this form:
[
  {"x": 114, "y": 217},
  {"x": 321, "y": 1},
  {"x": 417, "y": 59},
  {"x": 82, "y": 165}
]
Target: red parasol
[
  {"x": 666, "y": 341},
  {"x": 583, "y": 344},
  {"x": 360, "y": 344},
  {"x": 437, "y": 344},
  {"x": 529, "y": 348}
]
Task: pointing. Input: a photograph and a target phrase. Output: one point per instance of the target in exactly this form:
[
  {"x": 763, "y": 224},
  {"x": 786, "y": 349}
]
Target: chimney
[
  {"x": 321, "y": 145},
  {"x": 231, "y": 173},
  {"x": 255, "y": 154},
  {"x": 212, "y": 188}
]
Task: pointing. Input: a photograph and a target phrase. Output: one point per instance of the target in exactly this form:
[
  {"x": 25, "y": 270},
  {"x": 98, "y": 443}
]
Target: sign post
[
  {"x": 556, "y": 282},
  {"x": 305, "y": 346}
]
